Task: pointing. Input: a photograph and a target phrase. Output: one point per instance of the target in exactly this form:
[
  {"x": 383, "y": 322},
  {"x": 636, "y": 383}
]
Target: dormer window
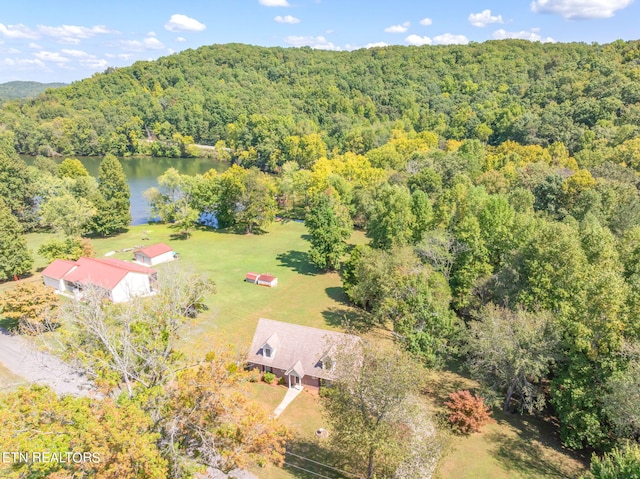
[
  {"x": 327, "y": 363},
  {"x": 270, "y": 346}
]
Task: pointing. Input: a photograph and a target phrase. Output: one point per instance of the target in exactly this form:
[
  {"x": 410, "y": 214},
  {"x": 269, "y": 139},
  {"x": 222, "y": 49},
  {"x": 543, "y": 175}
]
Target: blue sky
[{"x": 67, "y": 40}]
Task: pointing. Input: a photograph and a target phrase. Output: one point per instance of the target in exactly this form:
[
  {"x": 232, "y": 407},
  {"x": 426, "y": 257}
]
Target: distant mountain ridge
[{"x": 24, "y": 89}]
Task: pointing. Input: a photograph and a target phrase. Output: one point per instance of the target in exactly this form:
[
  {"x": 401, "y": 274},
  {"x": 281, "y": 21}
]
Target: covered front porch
[{"x": 294, "y": 375}]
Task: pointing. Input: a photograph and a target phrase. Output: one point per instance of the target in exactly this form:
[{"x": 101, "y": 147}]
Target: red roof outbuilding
[{"x": 155, "y": 250}]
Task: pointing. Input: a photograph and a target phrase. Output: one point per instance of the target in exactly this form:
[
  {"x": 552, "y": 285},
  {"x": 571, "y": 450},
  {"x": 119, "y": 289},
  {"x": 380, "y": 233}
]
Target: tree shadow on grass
[
  {"x": 338, "y": 295},
  {"x": 298, "y": 261},
  {"x": 351, "y": 319},
  {"x": 314, "y": 456},
  {"x": 528, "y": 452}
]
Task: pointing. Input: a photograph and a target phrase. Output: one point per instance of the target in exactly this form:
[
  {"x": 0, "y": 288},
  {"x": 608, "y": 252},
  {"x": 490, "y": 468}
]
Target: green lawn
[
  {"x": 304, "y": 417},
  {"x": 513, "y": 446},
  {"x": 303, "y": 295}
]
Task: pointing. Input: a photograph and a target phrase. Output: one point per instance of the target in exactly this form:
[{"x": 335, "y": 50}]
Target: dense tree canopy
[{"x": 273, "y": 104}]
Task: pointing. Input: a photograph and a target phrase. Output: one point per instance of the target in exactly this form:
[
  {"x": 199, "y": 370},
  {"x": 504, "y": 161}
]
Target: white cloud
[
  {"x": 376, "y": 45},
  {"x": 119, "y": 56},
  {"x": 450, "y": 39},
  {"x": 54, "y": 57},
  {"x": 426, "y": 22},
  {"x": 398, "y": 28},
  {"x": 35, "y": 46},
  {"x": 417, "y": 40},
  {"x": 149, "y": 43},
  {"x": 181, "y": 39},
  {"x": 74, "y": 53},
  {"x": 21, "y": 62},
  {"x": 531, "y": 35},
  {"x": 580, "y": 9},
  {"x": 287, "y": 19},
  {"x": 86, "y": 59},
  {"x": 152, "y": 34},
  {"x": 319, "y": 42},
  {"x": 72, "y": 34},
  {"x": 484, "y": 18},
  {"x": 17, "y": 31},
  {"x": 13, "y": 50},
  {"x": 182, "y": 23},
  {"x": 153, "y": 43},
  {"x": 274, "y": 3}
]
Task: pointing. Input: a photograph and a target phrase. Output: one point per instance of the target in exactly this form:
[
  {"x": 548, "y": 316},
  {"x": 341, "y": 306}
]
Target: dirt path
[{"x": 23, "y": 359}]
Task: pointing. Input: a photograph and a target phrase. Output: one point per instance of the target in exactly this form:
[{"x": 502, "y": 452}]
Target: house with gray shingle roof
[{"x": 300, "y": 354}]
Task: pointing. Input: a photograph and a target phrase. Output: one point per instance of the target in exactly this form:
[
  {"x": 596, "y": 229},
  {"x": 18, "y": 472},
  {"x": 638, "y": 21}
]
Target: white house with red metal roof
[
  {"x": 154, "y": 254},
  {"x": 120, "y": 280}
]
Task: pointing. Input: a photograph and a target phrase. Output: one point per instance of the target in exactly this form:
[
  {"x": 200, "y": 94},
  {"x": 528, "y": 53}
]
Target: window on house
[
  {"x": 327, "y": 364},
  {"x": 267, "y": 352}
]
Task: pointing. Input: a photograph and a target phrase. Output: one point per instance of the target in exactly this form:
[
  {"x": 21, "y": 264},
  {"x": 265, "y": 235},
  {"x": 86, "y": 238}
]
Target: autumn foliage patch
[{"x": 467, "y": 413}]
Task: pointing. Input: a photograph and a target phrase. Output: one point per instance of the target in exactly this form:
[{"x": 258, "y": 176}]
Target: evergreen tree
[
  {"x": 16, "y": 190},
  {"x": 15, "y": 258},
  {"x": 113, "y": 204}
]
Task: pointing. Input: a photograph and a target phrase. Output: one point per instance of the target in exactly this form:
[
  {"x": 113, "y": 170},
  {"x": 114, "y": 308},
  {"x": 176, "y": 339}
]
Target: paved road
[{"x": 23, "y": 359}]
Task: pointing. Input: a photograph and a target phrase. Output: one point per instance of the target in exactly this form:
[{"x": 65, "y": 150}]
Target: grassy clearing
[
  {"x": 511, "y": 447},
  {"x": 304, "y": 417},
  {"x": 303, "y": 295}
]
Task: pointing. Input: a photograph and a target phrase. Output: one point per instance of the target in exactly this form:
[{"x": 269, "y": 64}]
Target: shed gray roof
[{"x": 301, "y": 348}]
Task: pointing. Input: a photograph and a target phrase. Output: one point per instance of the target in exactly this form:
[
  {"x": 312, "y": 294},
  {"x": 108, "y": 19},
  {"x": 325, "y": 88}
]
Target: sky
[{"x": 67, "y": 40}]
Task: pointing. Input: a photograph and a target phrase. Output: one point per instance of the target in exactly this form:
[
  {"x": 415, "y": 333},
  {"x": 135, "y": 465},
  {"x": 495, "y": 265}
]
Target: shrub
[
  {"x": 69, "y": 248},
  {"x": 254, "y": 375},
  {"x": 467, "y": 413},
  {"x": 29, "y": 306},
  {"x": 268, "y": 377},
  {"x": 623, "y": 462}
]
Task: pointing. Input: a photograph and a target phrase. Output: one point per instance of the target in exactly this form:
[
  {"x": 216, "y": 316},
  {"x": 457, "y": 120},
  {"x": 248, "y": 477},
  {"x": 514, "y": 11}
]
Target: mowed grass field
[{"x": 511, "y": 447}]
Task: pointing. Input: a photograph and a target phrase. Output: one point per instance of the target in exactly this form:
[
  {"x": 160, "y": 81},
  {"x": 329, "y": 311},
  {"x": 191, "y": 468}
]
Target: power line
[
  {"x": 321, "y": 464},
  {"x": 307, "y": 470}
]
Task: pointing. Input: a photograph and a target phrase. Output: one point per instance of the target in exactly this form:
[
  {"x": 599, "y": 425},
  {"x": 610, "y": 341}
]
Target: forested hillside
[
  {"x": 256, "y": 99},
  {"x": 24, "y": 89}
]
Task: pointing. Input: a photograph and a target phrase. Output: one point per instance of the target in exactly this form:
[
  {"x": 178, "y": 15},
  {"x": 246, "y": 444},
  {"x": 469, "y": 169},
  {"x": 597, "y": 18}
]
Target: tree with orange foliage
[
  {"x": 467, "y": 413},
  {"x": 83, "y": 437},
  {"x": 208, "y": 417},
  {"x": 29, "y": 305}
]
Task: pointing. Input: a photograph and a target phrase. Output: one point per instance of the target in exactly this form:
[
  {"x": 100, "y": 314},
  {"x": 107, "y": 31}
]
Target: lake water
[{"x": 142, "y": 173}]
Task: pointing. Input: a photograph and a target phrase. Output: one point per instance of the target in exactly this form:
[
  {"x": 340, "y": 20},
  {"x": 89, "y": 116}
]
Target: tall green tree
[
  {"x": 171, "y": 202},
  {"x": 67, "y": 214},
  {"x": 16, "y": 189},
  {"x": 15, "y": 258},
  {"x": 376, "y": 424},
  {"x": 330, "y": 226},
  {"x": 392, "y": 219},
  {"x": 113, "y": 204},
  {"x": 71, "y": 168},
  {"x": 512, "y": 352}
]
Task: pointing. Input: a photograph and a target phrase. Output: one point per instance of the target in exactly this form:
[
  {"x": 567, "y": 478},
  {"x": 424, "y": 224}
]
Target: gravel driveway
[{"x": 22, "y": 358}]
